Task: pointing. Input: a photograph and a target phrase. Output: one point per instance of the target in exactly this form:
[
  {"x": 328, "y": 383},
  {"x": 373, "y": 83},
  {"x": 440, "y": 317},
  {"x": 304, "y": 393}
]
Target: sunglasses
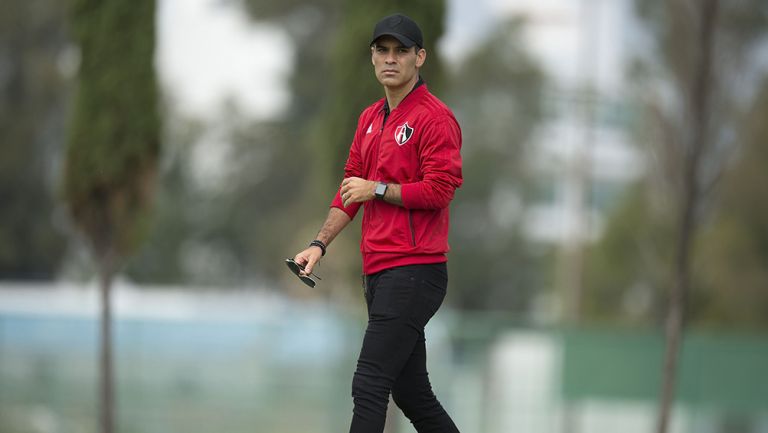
[{"x": 297, "y": 268}]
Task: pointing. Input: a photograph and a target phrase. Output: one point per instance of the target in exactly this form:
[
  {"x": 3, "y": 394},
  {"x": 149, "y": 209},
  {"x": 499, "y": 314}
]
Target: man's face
[{"x": 394, "y": 64}]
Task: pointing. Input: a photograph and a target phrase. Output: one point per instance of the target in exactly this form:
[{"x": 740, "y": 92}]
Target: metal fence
[{"x": 255, "y": 362}]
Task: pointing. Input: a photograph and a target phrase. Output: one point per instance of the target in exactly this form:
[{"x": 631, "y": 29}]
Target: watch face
[{"x": 381, "y": 188}]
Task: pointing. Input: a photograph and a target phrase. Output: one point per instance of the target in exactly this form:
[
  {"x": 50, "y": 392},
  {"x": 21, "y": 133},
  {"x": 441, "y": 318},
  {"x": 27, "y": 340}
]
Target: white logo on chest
[{"x": 403, "y": 133}]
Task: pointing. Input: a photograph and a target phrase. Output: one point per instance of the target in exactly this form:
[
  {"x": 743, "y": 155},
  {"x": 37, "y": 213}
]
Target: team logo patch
[{"x": 403, "y": 133}]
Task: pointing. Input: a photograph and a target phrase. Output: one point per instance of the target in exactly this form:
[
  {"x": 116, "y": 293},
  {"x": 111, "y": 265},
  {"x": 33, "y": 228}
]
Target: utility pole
[{"x": 579, "y": 180}]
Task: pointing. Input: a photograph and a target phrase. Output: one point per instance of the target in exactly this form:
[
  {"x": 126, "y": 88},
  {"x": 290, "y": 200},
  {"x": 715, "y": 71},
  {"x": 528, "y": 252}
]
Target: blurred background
[{"x": 615, "y": 167}]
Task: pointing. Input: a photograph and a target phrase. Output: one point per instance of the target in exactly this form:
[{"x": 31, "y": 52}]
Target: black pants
[{"x": 393, "y": 357}]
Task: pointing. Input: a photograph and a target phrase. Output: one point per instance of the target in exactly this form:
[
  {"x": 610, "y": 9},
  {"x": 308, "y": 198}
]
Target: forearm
[
  {"x": 393, "y": 194},
  {"x": 435, "y": 192},
  {"x": 335, "y": 222}
]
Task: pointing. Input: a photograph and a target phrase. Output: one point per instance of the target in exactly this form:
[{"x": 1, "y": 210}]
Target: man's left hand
[{"x": 357, "y": 190}]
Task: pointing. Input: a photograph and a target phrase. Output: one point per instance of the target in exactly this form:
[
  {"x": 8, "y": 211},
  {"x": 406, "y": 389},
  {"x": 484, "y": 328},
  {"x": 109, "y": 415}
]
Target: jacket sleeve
[
  {"x": 352, "y": 168},
  {"x": 440, "y": 163}
]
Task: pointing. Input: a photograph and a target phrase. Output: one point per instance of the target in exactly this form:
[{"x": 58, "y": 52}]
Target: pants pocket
[
  {"x": 429, "y": 298},
  {"x": 391, "y": 293},
  {"x": 430, "y": 292}
]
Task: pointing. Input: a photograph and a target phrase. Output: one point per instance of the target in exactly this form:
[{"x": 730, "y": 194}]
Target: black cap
[{"x": 401, "y": 28}]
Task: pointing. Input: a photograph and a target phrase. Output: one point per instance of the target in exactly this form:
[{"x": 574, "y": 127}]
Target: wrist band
[{"x": 319, "y": 244}]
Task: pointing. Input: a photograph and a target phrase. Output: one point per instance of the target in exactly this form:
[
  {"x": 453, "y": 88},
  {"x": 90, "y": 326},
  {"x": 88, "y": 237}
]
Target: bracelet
[{"x": 319, "y": 244}]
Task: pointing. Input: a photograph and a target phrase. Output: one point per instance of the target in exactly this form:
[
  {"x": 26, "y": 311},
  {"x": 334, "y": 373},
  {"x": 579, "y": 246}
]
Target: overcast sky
[{"x": 210, "y": 52}]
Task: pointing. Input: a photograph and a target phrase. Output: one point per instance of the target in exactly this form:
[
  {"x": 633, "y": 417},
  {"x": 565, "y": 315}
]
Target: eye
[{"x": 403, "y": 50}]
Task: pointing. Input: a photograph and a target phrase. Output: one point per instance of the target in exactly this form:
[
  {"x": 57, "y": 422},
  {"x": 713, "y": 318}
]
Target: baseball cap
[{"x": 401, "y": 28}]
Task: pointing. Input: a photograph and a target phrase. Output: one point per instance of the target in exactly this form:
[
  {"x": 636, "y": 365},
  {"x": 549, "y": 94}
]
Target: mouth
[{"x": 389, "y": 72}]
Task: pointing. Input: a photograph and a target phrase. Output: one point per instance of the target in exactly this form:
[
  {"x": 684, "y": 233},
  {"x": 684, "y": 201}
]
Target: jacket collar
[{"x": 415, "y": 86}]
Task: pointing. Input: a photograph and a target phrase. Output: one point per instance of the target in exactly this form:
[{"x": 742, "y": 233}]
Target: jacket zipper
[
  {"x": 376, "y": 162},
  {"x": 378, "y": 144},
  {"x": 410, "y": 226}
]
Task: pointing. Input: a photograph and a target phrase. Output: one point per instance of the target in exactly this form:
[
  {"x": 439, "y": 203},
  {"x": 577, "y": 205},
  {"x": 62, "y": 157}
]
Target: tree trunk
[
  {"x": 674, "y": 329},
  {"x": 106, "y": 371},
  {"x": 695, "y": 146}
]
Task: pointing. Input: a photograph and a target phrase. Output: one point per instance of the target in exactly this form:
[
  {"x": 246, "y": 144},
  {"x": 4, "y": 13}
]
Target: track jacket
[{"x": 416, "y": 145}]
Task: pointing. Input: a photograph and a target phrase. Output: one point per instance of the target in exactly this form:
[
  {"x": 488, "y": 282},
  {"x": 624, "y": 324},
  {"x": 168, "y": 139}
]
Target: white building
[{"x": 584, "y": 156}]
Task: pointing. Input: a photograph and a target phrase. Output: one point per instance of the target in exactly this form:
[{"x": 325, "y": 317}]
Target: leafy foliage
[
  {"x": 33, "y": 96},
  {"x": 114, "y": 138},
  {"x": 281, "y": 174},
  {"x": 733, "y": 251},
  {"x": 633, "y": 261},
  {"x": 496, "y": 93}
]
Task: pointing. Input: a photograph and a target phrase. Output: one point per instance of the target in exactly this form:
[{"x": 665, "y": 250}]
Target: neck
[{"x": 395, "y": 95}]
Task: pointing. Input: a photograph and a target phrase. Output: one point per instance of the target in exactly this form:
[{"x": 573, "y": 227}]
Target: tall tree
[
  {"x": 693, "y": 144},
  {"x": 630, "y": 264},
  {"x": 700, "y": 46},
  {"x": 113, "y": 147},
  {"x": 33, "y": 95}
]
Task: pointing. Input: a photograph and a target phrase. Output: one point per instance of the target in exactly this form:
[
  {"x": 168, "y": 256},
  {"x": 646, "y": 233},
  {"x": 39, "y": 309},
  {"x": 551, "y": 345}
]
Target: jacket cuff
[{"x": 350, "y": 210}]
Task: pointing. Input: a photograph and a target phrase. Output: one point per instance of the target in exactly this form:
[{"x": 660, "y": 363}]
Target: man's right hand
[
  {"x": 308, "y": 258},
  {"x": 335, "y": 222}
]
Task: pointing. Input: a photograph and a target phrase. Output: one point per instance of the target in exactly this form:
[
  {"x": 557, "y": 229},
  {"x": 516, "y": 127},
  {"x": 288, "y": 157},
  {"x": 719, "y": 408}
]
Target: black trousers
[{"x": 393, "y": 357}]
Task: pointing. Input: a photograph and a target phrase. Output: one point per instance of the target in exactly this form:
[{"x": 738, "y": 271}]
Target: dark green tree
[
  {"x": 496, "y": 93},
  {"x": 111, "y": 160},
  {"x": 33, "y": 94},
  {"x": 733, "y": 251},
  {"x": 234, "y": 233},
  {"x": 629, "y": 265}
]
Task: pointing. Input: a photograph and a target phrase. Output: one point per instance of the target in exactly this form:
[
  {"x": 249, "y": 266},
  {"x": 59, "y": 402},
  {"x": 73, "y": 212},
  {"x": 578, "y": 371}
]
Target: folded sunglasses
[{"x": 297, "y": 268}]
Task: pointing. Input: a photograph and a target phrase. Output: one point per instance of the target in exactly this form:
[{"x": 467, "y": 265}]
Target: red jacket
[{"x": 416, "y": 145}]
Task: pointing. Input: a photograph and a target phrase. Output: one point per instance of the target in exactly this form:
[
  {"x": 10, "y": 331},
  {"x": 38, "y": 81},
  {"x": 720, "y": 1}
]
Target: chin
[{"x": 391, "y": 82}]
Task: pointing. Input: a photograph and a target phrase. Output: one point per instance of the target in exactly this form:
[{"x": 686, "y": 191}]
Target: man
[{"x": 403, "y": 168}]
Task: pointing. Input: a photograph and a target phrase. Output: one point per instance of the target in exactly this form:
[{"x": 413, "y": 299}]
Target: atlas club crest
[{"x": 403, "y": 133}]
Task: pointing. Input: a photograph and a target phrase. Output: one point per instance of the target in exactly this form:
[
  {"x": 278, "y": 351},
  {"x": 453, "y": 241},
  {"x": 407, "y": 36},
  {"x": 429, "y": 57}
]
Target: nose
[{"x": 390, "y": 58}]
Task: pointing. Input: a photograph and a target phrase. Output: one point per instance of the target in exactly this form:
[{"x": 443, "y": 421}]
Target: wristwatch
[{"x": 381, "y": 189}]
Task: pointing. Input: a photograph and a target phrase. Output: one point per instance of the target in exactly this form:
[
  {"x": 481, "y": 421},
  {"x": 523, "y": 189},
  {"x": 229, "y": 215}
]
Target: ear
[
  {"x": 373, "y": 51},
  {"x": 421, "y": 57}
]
